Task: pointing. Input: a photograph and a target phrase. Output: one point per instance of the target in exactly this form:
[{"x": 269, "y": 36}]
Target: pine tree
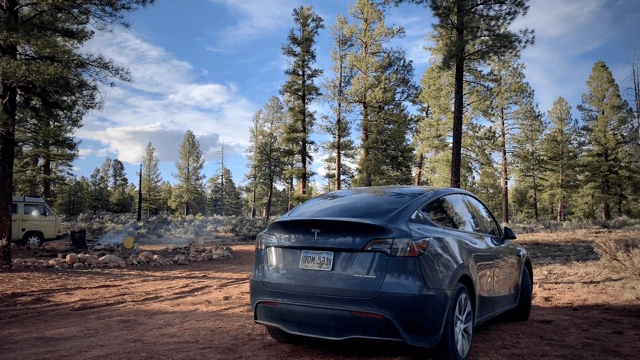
[
  {"x": 381, "y": 87},
  {"x": 41, "y": 59},
  {"x": 467, "y": 34},
  {"x": 608, "y": 127},
  {"x": 510, "y": 93},
  {"x": 74, "y": 197},
  {"x": 340, "y": 147},
  {"x": 151, "y": 180},
  {"x": 562, "y": 150},
  {"x": 529, "y": 156},
  {"x": 166, "y": 193},
  {"x": 188, "y": 194},
  {"x": 98, "y": 192},
  {"x": 223, "y": 197},
  {"x": 300, "y": 91},
  {"x": 120, "y": 199}
]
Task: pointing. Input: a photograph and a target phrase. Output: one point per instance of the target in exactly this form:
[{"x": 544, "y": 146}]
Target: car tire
[
  {"x": 33, "y": 239},
  {"x": 522, "y": 311},
  {"x": 457, "y": 335},
  {"x": 281, "y": 336}
]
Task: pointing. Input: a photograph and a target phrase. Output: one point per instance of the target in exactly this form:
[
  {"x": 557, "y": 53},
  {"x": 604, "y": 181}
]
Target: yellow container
[{"x": 128, "y": 242}]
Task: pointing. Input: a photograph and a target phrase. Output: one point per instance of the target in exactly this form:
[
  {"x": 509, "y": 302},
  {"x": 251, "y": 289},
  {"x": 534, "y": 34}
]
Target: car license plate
[{"x": 316, "y": 260}]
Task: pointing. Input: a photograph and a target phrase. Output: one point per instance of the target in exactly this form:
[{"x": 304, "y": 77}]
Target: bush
[
  {"x": 245, "y": 227},
  {"x": 622, "y": 257}
]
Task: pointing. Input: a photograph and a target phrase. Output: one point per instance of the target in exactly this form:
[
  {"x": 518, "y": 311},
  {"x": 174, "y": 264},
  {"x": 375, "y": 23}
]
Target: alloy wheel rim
[
  {"x": 463, "y": 328},
  {"x": 33, "y": 240}
]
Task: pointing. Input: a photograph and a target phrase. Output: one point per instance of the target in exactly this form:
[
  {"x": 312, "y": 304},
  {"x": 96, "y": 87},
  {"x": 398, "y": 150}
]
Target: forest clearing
[{"x": 581, "y": 310}]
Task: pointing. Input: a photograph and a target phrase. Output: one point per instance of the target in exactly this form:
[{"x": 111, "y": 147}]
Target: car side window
[
  {"x": 14, "y": 208},
  {"x": 449, "y": 211},
  {"x": 35, "y": 210},
  {"x": 482, "y": 220}
]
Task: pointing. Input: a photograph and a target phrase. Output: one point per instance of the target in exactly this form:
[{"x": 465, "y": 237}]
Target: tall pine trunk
[
  {"x": 8, "y": 97},
  {"x": 535, "y": 199},
  {"x": 456, "y": 142},
  {"x": 561, "y": 207},
  {"x": 505, "y": 175},
  {"x": 366, "y": 177},
  {"x": 419, "y": 169}
]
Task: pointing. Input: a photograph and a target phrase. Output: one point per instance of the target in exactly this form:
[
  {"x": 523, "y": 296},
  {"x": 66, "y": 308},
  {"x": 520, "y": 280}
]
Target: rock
[
  {"x": 228, "y": 255},
  {"x": 112, "y": 265},
  {"x": 158, "y": 259},
  {"x": 17, "y": 261},
  {"x": 91, "y": 259},
  {"x": 193, "y": 254},
  {"x": 200, "y": 258},
  {"x": 122, "y": 264},
  {"x": 145, "y": 256},
  {"x": 82, "y": 258},
  {"x": 100, "y": 253},
  {"x": 31, "y": 261},
  {"x": 215, "y": 257},
  {"x": 72, "y": 259},
  {"x": 180, "y": 260},
  {"x": 65, "y": 265},
  {"x": 110, "y": 259},
  {"x": 56, "y": 262},
  {"x": 78, "y": 265}
]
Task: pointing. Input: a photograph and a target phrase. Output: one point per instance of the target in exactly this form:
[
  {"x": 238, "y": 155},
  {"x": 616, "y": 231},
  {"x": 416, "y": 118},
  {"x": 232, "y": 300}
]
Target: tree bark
[
  {"x": 456, "y": 142},
  {"x": 8, "y": 97},
  {"x": 505, "y": 175},
  {"x": 561, "y": 207},
  {"x": 419, "y": 169},
  {"x": 366, "y": 177},
  {"x": 535, "y": 199}
]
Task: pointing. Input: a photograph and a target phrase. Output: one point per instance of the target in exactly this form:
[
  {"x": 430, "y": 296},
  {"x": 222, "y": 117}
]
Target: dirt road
[{"x": 202, "y": 311}]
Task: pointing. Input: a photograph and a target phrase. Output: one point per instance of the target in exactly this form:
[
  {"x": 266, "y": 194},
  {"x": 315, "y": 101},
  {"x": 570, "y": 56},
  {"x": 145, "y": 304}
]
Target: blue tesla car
[{"x": 420, "y": 265}]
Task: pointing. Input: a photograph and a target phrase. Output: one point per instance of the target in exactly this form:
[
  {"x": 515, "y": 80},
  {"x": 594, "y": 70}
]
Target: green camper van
[{"x": 33, "y": 221}]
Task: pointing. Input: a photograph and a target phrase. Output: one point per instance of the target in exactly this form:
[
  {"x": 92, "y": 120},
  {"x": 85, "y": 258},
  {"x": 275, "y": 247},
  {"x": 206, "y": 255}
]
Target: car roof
[
  {"x": 25, "y": 198},
  {"x": 370, "y": 203}
]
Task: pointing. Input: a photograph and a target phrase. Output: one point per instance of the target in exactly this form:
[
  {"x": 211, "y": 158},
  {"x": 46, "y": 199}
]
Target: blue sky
[{"x": 209, "y": 65}]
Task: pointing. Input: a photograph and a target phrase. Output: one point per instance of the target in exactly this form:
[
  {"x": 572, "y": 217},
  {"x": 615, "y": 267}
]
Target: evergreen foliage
[
  {"x": 608, "y": 131},
  {"x": 151, "y": 182},
  {"x": 299, "y": 92},
  {"x": 188, "y": 195}
]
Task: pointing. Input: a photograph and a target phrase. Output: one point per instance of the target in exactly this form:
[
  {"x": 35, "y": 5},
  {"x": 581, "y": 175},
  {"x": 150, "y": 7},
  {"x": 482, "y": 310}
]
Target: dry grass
[{"x": 622, "y": 257}]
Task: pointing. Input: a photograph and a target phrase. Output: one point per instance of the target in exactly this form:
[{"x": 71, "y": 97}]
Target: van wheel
[{"x": 33, "y": 239}]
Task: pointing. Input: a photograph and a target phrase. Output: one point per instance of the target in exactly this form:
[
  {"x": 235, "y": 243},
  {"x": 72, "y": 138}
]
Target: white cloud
[
  {"x": 258, "y": 18},
  {"x": 163, "y": 101},
  {"x": 565, "y": 31},
  {"x": 129, "y": 142}
]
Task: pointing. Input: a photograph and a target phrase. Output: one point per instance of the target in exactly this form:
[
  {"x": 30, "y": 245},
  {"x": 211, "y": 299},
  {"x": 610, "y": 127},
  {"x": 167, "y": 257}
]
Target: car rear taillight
[
  {"x": 264, "y": 241},
  {"x": 399, "y": 247}
]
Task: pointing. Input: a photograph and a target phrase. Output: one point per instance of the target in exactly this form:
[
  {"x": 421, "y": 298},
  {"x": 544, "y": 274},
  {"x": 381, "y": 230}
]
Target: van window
[
  {"x": 14, "y": 208},
  {"x": 35, "y": 210}
]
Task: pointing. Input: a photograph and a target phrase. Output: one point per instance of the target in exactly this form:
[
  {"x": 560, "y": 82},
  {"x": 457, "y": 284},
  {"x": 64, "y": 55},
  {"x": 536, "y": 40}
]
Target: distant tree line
[{"x": 471, "y": 122}]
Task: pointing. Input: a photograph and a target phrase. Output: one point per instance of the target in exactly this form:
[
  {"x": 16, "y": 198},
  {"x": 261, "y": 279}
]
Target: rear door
[
  {"x": 451, "y": 212},
  {"x": 506, "y": 266},
  {"x": 352, "y": 272}
]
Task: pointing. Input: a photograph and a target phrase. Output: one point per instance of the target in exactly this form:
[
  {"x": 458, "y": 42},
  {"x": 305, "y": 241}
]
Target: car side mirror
[{"x": 509, "y": 234}]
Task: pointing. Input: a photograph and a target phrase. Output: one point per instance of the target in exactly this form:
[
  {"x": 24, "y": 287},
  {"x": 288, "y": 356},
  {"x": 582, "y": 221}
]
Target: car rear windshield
[{"x": 360, "y": 204}]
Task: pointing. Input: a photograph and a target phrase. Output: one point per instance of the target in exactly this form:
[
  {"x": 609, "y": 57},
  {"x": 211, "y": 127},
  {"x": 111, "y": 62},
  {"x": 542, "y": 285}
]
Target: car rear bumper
[{"x": 413, "y": 317}]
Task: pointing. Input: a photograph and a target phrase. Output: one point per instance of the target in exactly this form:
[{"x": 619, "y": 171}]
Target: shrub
[
  {"x": 245, "y": 227},
  {"x": 622, "y": 257}
]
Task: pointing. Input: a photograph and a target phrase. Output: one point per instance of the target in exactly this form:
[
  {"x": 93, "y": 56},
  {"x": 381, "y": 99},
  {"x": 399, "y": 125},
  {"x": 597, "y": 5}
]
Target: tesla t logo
[{"x": 315, "y": 231}]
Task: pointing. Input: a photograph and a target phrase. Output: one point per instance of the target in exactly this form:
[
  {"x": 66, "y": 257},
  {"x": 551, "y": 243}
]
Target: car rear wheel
[
  {"x": 281, "y": 335},
  {"x": 458, "y": 330},
  {"x": 523, "y": 309},
  {"x": 33, "y": 239}
]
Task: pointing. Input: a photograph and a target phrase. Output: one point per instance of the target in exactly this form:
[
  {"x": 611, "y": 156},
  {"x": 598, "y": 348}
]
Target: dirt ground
[{"x": 201, "y": 311}]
